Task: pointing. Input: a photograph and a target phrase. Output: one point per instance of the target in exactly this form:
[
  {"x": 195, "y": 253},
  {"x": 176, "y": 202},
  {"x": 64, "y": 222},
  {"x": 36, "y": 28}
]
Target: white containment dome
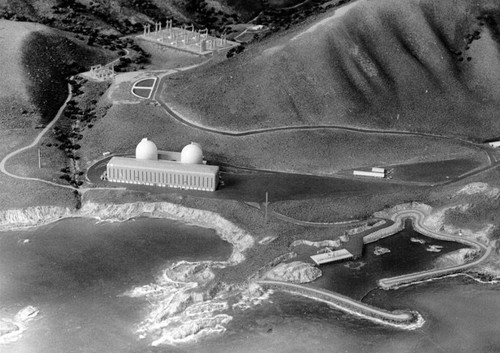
[
  {"x": 192, "y": 154},
  {"x": 146, "y": 150}
]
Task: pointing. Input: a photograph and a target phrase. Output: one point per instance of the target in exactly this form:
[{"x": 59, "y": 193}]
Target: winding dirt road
[{"x": 33, "y": 144}]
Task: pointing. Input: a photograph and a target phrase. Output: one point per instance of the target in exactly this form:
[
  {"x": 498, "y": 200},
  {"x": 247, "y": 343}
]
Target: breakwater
[
  {"x": 418, "y": 216},
  {"x": 407, "y": 320},
  {"x": 394, "y": 228}
]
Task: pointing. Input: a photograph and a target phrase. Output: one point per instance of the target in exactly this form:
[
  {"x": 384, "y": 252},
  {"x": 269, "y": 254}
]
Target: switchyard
[{"x": 186, "y": 39}]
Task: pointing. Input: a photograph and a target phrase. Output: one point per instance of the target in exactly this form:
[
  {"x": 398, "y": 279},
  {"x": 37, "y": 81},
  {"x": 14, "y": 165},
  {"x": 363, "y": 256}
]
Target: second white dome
[{"x": 192, "y": 154}]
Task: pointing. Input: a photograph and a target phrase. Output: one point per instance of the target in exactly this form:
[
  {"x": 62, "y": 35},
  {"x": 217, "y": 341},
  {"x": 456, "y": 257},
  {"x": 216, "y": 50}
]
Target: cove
[{"x": 74, "y": 271}]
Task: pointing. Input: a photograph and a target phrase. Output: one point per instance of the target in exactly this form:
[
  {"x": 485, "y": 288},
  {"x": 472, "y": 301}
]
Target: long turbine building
[{"x": 184, "y": 170}]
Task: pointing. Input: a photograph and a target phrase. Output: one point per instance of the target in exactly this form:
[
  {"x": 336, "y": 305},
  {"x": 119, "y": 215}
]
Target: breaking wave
[{"x": 181, "y": 309}]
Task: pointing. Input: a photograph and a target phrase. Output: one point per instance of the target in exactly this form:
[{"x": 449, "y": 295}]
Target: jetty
[
  {"x": 407, "y": 320},
  {"x": 417, "y": 216}
]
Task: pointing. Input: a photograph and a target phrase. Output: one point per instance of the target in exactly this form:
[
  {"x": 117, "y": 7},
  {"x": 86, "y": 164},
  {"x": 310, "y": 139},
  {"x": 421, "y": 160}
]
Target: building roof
[
  {"x": 331, "y": 256},
  {"x": 169, "y": 156},
  {"x": 162, "y": 165}
]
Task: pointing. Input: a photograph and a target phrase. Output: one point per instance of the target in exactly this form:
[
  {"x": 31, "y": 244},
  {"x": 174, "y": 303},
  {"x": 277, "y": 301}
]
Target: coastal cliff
[
  {"x": 180, "y": 298},
  {"x": 42, "y": 215}
]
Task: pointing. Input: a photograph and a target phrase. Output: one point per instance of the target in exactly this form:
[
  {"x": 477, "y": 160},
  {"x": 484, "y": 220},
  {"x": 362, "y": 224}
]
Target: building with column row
[{"x": 185, "y": 170}]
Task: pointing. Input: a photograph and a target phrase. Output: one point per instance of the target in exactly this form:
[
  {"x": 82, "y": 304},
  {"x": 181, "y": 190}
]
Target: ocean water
[
  {"x": 74, "y": 271},
  {"x": 461, "y": 316}
]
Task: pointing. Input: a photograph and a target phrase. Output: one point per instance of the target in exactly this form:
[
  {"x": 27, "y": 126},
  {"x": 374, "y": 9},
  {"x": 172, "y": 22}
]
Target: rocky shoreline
[
  {"x": 181, "y": 308},
  {"x": 184, "y": 307},
  {"x": 42, "y": 215}
]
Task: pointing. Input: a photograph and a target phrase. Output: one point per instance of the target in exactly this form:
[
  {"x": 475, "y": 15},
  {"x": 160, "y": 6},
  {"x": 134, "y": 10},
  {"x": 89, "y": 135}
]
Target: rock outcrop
[
  {"x": 41, "y": 215},
  {"x": 295, "y": 272}
]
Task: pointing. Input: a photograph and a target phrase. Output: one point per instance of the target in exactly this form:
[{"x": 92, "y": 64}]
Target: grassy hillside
[
  {"x": 36, "y": 63},
  {"x": 318, "y": 152},
  {"x": 48, "y": 70},
  {"x": 418, "y": 65},
  {"x": 13, "y": 93}
]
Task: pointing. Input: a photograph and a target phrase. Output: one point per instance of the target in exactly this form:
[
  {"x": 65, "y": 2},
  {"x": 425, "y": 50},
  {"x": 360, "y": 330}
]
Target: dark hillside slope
[
  {"x": 417, "y": 65},
  {"x": 36, "y": 61},
  {"x": 49, "y": 59}
]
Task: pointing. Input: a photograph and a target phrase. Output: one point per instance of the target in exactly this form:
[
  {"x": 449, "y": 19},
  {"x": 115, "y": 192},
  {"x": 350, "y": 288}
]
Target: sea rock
[
  {"x": 7, "y": 327},
  {"x": 434, "y": 248},
  {"x": 190, "y": 272},
  {"x": 381, "y": 251},
  {"x": 455, "y": 258},
  {"x": 177, "y": 304},
  {"x": 295, "y": 272},
  {"x": 26, "y": 314}
]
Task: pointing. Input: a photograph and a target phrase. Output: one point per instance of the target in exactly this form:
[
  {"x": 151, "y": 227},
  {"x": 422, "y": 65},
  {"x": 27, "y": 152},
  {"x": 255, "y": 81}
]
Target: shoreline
[
  {"x": 241, "y": 240},
  {"x": 32, "y": 217},
  {"x": 169, "y": 299},
  {"x": 418, "y": 216},
  {"x": 407, "y": 320}
]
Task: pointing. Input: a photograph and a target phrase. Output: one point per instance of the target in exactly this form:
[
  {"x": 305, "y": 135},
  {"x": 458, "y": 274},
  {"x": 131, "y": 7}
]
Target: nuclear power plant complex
[{"x": 184, "y": 170}]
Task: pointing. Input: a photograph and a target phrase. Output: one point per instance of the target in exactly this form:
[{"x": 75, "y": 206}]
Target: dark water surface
[
  {"x": 75, "y": 270},
  {"x": 461, "y": 317},
  {"x": 356, "y": 278}
]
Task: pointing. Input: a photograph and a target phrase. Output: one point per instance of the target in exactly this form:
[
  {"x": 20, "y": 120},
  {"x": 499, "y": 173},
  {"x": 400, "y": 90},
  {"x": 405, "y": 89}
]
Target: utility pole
[
  {"x": 266, "y": 204},
  {"x": 39, "y": 159}
]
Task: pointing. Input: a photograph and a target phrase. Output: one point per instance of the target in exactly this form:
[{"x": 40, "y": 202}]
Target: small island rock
[{"x": 295, "y": 272}]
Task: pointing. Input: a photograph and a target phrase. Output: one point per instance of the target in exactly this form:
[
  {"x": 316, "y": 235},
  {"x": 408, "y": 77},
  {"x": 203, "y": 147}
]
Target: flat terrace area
[{"x": 188, "y": 40}]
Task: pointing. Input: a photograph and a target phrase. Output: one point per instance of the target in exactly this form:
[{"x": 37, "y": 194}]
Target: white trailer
[
  {"x": 369, "y": 174},
  {"x": 494, "y": 144},
  {"x": 378, "y": 170}
]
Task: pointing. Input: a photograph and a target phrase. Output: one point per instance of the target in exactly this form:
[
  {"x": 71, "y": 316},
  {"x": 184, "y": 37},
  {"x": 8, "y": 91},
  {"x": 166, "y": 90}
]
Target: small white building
[
  {"x": 368, "y": 174},
  {"x": 332, "y": 256},
  {"x": 494, "y": 144},
  {"x": 378, "y": 170},
  {"x": 184, "y": 170}
]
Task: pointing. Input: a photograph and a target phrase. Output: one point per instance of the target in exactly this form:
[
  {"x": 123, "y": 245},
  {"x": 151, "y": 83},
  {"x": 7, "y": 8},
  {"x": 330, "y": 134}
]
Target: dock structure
[
  {"x": 186, "y": 39},
  {"x": 332, "y": 256}
]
